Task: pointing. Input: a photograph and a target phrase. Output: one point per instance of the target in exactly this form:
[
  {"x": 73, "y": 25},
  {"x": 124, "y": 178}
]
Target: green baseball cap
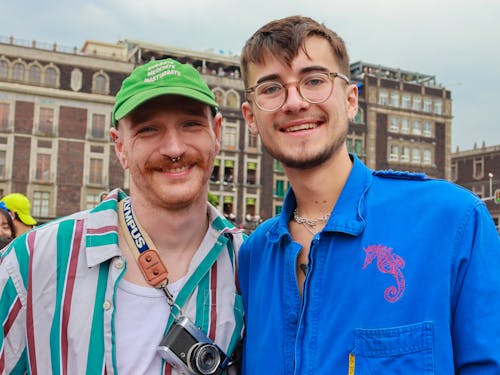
[{"x": 161, "y": 77}]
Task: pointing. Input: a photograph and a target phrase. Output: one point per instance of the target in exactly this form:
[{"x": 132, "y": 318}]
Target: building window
[
  {"x": 251, "y": 173},
  {"x": 41, "y": 203},
  {"x": 50, "y": 76},
  {"x": 229, "y": 135},
  {"x": 427, "y": 105},
  {"x": 92, "y": 200},
  {"x": 98, "y": 126},
  {"x": 100, "y": 84},
  {"x": 4, "y": 69},
  {"x": 96, "y": 171},
  {"x": 405, "y": 126},
  {"x": 42, "y": 172},
  {"x": 3, "y": 163},
  {"x": 279, "y": 190},
  {"x": 46, "y": 120},
  {"x": 405, "y": 154},
  {"x": 438, "y": 107},
  {"x": 454, "y": 172},
  {"x": 4, "y": 116},
  {"x": 219, "y": 97},
  {"x": 406, "y": 101},
  {"x": 277, "y": 209},
  {"x": 228, "y": 171},
  {"x": 227, "y": 207},
  {"x": 395, "y": 99},
  {"x": 358, "y": 147},
  {"x": 394, "y": 153},
  {"x": 427, "y": 157},
  {"x": 18, "y": 71},
  {"x": 427, "y": 129},
  {"x": 359, "y": 118},
  {"x": 35, "y": 74},
  {"x": 232, "y": 100},
  {"x": 417, "y": 130},
  {"x": 417, "y": 103},
  {"x": 478, "y": 168},
  {"x": 415, "y": 156},
  {"x": 394, "y": 125},
  {"x": 383, "y": 98},
  {"x": 216, "y": 171},
  {"x": 253, "y": 140}
]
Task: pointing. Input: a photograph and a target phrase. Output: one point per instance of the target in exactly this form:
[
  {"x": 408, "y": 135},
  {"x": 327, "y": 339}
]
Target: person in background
[
  {"x": 20, "y": 208},
  {"x": 7, "y": 231},
  {"x": 140, "y": 284},
  {"x": 363, "y": 272}
]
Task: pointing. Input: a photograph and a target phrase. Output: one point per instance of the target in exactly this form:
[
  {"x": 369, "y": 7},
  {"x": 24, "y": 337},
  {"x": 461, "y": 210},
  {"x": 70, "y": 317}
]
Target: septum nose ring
[{"x": 175, "y": 159}]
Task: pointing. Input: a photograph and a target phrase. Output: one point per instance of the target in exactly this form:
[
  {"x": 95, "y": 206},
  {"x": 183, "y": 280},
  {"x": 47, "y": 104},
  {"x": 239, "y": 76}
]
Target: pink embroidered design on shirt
[{"x": 387, "y": 262}]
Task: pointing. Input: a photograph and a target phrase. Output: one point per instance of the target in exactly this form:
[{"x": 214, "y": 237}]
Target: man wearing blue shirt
[{"x": 363, "y": 272}]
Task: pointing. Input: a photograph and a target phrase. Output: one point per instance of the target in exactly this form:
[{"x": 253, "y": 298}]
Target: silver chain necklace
[{"x": 309, "y": 222}]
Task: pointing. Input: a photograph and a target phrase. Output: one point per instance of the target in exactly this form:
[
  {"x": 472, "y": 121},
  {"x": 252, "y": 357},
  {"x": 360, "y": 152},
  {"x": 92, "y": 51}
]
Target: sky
[{"x": 457, "y": 41}]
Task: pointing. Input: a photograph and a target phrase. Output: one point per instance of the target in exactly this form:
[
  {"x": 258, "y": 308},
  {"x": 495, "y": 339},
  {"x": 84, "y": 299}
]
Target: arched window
[
  {"x": 219, "y": 97},
  {"x": 232, "y": 100},
  {"x": 18, "y": 71},
  {"x": 35, "y": 74},
  {"x": 4, "y": 69},
  {"x": 100, "y": 84},
  {"x": 50, "y": 76}
]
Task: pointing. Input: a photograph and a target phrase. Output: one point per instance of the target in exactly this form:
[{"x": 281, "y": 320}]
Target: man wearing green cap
[
  {"x": 19, "y": 207},
  {"x": 141, "y": 284}
]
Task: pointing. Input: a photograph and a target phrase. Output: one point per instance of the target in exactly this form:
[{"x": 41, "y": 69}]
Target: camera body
[{"x": 190, "y": 351}]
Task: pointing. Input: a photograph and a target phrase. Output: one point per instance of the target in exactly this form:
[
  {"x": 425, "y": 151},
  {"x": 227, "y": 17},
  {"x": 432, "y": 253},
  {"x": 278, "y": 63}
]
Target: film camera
[{"x": 188, "y": 349}]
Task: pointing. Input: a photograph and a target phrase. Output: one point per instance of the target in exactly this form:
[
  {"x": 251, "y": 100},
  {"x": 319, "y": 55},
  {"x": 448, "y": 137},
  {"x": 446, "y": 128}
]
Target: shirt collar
[{"x": 347, "y": 215}]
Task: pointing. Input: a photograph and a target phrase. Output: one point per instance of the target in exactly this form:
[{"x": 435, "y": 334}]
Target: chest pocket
[{"x": 396, "y": 350}]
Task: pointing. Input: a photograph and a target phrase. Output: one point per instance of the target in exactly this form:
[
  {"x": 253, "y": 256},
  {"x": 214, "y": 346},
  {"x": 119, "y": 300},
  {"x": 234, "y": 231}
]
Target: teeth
[
  {"x": 301, "y": 127},
  {"x": 175, "y": 170}
]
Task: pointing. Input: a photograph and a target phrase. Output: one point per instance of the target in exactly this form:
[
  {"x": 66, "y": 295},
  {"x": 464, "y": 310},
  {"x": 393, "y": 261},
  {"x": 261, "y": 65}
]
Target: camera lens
[{"x": 203, "y": 358}]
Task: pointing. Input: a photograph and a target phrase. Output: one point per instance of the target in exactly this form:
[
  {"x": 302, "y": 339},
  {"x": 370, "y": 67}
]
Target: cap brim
[
  {"x": 26, "y": 219},
  {"x": 133, "y": 102}
]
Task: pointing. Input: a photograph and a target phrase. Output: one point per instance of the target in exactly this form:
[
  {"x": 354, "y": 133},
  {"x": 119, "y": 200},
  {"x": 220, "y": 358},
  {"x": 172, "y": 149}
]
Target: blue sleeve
[{"x": 476, "y": 295}]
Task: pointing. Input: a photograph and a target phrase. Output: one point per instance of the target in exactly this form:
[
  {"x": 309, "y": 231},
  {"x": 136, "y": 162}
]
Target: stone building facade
[{"x": 55, "y": 114}]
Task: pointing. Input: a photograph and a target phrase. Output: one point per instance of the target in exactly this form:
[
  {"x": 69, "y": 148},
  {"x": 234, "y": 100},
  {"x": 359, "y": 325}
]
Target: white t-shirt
[{"x": 141, "y": 316}]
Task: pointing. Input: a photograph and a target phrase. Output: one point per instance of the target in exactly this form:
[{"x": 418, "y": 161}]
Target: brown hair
[{"x": 284, "y": 38}]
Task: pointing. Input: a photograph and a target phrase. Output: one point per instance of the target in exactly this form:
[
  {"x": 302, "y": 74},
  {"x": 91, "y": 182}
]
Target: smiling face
[
  {"x": 158, "y": 131},
  {"x": 300, "y": 134}
]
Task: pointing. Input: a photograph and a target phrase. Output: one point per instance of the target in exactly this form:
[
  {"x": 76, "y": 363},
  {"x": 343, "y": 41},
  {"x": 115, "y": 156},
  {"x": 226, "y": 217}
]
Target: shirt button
[
  {"x": 119, "y": 264},
  {"x": 292, "y": 317},
  {"x": 106, "y": 305}
]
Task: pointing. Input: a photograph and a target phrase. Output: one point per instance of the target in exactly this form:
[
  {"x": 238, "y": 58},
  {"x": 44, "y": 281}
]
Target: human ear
[
  {"x": 352, "y": 101},
  {"x": 118, "y": 142},
  {"x": 249, "y": 116}
]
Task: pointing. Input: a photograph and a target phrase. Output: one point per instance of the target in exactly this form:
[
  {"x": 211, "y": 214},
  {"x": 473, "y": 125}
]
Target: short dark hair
[{"x": 284, "y": 38}]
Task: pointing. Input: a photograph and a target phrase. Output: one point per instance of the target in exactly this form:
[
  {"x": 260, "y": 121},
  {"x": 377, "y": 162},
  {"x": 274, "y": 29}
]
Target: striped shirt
[{"x": 57, "y": 293}]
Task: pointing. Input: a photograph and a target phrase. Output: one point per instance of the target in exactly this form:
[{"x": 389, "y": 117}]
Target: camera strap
[
  {"x": 153, "y": 269},
  {"x": 142, "y": 247}
]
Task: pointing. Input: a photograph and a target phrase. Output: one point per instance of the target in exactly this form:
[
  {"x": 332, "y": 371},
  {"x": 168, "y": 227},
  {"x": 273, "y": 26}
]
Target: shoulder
[
  {"x": 260, "y": 235},
  {"x": 400, "y": 175}
]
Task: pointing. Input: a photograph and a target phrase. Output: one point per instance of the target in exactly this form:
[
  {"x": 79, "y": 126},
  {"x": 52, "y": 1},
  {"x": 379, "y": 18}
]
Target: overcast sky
[{"x": 458, "y": 41}]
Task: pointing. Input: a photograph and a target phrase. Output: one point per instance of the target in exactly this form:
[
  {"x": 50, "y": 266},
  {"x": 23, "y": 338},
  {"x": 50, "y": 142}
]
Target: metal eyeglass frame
[{"x": 331, "y": 75}]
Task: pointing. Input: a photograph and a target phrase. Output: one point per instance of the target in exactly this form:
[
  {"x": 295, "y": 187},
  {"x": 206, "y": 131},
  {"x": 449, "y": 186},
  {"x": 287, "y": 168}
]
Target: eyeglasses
[{"x": 314, "y": 88}]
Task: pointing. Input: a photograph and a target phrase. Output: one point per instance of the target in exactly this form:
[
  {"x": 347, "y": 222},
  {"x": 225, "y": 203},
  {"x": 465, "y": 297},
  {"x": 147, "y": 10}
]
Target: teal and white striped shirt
[{"x": 57, "y": 293}]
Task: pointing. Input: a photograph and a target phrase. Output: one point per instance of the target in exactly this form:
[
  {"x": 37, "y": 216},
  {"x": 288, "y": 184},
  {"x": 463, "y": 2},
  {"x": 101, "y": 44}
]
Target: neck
[
  {"x": 172, "y": 231},
  {"x": 318, "y": 189}
]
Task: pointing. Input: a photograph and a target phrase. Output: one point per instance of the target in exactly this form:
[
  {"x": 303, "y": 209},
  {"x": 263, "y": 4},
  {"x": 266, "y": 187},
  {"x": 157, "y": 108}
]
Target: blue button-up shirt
[{"x": 403, "y": 279}]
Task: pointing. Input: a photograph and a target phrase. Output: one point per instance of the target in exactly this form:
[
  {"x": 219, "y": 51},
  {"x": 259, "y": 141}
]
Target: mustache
[{"x": 165, "y": 162}]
